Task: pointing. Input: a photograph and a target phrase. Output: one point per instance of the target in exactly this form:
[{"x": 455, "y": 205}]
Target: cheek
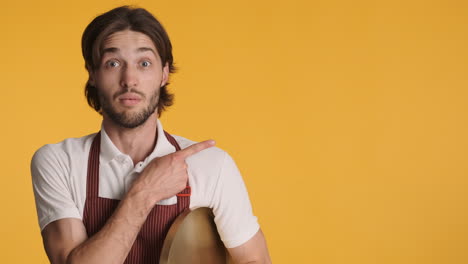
[
  {"x": 103, "y": 94},
  {"x": 151, "y": 77},
  {"x": 107, "y": 82},
  {"x": 105, "y": 88}
]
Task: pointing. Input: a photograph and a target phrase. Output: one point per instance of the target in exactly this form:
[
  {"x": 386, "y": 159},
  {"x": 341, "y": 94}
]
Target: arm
[
  {"x": 234, "y": 218},
  {"x": 253, "y": 251},
  {"x": 65, "y": 240}
]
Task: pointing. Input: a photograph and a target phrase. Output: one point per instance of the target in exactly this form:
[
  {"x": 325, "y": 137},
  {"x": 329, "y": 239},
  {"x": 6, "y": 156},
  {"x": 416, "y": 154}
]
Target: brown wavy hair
[{"x": 119, "y": 19}]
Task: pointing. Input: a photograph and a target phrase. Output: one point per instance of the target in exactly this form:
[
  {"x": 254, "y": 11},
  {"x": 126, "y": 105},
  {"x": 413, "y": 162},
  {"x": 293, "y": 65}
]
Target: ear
[{"x": 165, "y": 75}]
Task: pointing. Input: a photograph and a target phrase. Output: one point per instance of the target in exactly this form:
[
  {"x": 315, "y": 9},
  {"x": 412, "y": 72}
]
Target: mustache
[{"x": 131, "y": 90}]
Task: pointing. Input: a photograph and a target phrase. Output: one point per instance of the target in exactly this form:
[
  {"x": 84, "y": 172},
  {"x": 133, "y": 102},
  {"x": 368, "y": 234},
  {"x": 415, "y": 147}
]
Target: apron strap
[{"x": 92, "y": 181}]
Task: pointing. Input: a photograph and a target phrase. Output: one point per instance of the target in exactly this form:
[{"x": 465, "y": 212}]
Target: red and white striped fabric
[{"x": 149, "y": 242}]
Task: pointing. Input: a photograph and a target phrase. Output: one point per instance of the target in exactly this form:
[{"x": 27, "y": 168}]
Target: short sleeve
[
  {"x": 234, "y": 218},
  {"x": 51, "y": 185}
]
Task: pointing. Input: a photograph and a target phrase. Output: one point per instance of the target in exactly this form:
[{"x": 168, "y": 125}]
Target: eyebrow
[{"x": 116, "y": 50}]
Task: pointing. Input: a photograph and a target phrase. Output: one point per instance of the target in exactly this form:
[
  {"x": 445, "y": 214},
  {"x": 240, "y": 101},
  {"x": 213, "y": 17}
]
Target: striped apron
[{"x": 149, "y": 242}]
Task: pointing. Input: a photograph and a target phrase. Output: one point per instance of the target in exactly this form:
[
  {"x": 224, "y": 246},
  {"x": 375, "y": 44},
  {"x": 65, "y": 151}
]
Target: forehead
[{"x": 128, "y": 39}]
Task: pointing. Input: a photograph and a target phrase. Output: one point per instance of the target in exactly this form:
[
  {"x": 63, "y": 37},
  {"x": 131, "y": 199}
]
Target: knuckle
[
  {"x": 177, "y": 156},
  {"x": 174, "y": 159},
  {"x": 196, "y": 147}
]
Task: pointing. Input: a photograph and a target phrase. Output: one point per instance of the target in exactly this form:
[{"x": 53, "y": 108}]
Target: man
[{"x": 110, "y": 197}]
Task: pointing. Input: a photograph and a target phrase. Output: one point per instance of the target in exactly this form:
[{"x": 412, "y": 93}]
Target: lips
[{"x": 129, "y": 99}]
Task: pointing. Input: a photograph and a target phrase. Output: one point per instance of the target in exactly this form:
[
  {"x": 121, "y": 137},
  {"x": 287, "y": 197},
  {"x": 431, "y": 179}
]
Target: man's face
[{"x": 129, "y": 78}]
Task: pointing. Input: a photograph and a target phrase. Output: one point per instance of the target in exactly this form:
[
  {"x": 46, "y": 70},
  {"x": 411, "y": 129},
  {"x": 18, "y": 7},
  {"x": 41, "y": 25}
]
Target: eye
[
  {"x": 145, "y": 64},
  {"x": 112, "y": 64}
]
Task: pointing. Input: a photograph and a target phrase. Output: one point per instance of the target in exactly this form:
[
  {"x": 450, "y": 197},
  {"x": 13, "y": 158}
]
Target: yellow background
[{"x": 348, "y": 119}]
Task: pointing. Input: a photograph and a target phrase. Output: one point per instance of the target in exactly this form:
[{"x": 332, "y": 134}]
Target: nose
[{"x": 129, "y": 77}]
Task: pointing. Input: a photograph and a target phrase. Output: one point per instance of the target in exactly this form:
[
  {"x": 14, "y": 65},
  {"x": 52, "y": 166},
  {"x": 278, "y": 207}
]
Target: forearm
[{"x": 113, "y": 242}]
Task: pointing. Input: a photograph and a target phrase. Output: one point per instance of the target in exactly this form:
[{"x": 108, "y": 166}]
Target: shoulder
[
  {"x": 205, "y": 169},
  {"x": 62, "y": 152},
  {"x": 57, "y": 178}
]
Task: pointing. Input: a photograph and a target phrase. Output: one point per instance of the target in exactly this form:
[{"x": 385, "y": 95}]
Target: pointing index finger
[{"x": 195, "y": 148}]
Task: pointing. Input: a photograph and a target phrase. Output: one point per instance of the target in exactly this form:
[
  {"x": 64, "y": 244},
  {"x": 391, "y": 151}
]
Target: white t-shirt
[{"x": 59, "y": 173}]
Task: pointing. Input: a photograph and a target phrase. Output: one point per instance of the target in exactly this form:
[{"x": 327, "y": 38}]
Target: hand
[{"x": 166, "y": 176}]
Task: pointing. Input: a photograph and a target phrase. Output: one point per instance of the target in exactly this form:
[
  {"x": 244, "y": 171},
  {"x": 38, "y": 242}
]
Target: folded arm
[{"x": 65, "y": 240}]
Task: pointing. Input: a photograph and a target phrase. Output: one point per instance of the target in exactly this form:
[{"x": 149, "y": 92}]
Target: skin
[{"x": 129, "y": 78}]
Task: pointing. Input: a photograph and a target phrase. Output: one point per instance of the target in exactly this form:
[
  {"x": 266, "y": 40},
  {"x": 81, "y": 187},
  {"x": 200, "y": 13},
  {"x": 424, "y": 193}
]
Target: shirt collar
[{"x": 109, "y": 151}]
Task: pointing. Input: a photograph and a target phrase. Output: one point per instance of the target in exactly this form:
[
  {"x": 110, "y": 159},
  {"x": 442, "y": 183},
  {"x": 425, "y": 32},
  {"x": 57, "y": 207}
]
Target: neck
[{"x": 137, "y": 142}]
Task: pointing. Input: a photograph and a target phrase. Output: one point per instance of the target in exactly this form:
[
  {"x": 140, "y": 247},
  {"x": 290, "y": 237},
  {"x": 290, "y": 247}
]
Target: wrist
[{"x": 143, "y": 196}]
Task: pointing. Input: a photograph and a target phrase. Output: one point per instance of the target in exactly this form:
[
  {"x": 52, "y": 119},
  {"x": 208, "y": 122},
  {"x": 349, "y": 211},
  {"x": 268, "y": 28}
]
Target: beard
[{"x": 126, "y": 119}]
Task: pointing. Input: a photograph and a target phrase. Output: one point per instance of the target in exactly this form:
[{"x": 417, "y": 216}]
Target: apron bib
[{"x": 149, "y": 242}]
